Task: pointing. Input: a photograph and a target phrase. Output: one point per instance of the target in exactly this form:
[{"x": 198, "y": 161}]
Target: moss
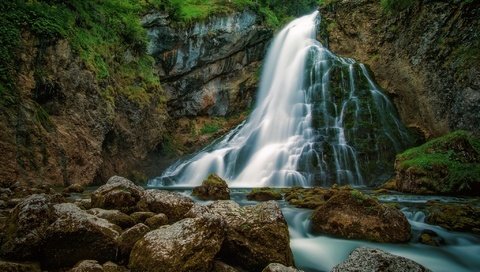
[
  {"x": 264, "y": 194},
  {"x": 210, "y": 128},
  {"x": 448, "y": 164},
  {"x": 214, "y": 180},
  {"x": 396, "y": 5}
]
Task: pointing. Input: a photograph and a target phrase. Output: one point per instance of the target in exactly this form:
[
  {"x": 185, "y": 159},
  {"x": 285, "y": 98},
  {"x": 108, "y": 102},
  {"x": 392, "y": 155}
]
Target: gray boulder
[
  {"x": 119, "y": 193},
  {"x": 173, "y": 205}
]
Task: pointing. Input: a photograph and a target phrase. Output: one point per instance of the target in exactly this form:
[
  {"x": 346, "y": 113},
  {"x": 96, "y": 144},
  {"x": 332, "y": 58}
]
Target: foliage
[
  {"x": 451, "y": 162},
  {"x": 210, "y": 128},
  {"x": 100, "y": 32}
]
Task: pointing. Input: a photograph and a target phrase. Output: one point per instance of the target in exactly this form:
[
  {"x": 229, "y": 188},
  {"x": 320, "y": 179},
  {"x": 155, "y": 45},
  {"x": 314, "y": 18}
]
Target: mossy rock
[
  {"x": 457, "y": 217},
  {"x": 449, "y": 165},
  {"x": 212, "y": 188},
  {"x": 264, "y": 194}
]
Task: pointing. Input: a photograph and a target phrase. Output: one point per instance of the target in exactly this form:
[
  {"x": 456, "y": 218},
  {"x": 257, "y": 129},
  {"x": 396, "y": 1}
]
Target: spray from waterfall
[{"x": 319, "y": 119}]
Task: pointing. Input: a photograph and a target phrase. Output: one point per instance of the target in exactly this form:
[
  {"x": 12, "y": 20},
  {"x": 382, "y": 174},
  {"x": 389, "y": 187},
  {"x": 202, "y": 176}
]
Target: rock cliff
[{"x": 426, "y": 56}]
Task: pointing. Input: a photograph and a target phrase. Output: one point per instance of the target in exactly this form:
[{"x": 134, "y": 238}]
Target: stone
[
  {"x": 212, "y": 188},
  {"x": 6, "y": 266},
  {"x": 353, "y": 215},
  {"x": 157, "y": 221},
  {"x": 74, "y": 188},
  {"x": 113, "y": 216},
  {"x": 219, "y": 266},
  {"x": 76, "y": 235},
  {"x": 457, "y": 217},
  {"x": 140, "y": 217},
  {"x": 276, "y": 267},
  {"x": 431, "y": 238},
  {"x": 368, "y": 259},
  {"x": 119, "y": 193},
  {"x": 129, "y": 237},
  {"x": 84, "y": 204},
  {"x": 172, "y": 204},
  {"x": 28, "y": 223},
  {"x": 255, "y": 235},
  {"x": 87, "y": 266},
  {"x": 113, "y": 267},
  {"x": 188, "y": 245},
  {"x": 264, "y": 194}
]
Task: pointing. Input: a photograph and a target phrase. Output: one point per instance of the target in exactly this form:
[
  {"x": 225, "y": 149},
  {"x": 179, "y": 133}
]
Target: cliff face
[
  {"x": 68, "y": 126},
  {"x": 208, "y": 68},
  {"x": 426, "y": 57}
]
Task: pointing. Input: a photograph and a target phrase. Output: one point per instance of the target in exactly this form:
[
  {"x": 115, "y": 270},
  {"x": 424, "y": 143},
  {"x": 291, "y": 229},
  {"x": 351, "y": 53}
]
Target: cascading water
[{"x": 319, "y": 119}]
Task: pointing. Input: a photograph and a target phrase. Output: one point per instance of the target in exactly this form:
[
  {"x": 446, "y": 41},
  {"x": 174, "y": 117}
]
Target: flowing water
[{"x": 319, "y": 119}]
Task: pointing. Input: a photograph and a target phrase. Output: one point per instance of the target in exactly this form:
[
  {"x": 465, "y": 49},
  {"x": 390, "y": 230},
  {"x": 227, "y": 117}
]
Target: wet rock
[
  {"x": 309, "y": 198},
  {"x": 87, "y": 266},
  {"x": 276, "y": 267},
  {"x": 188, "y": 245},
  {"x": 74, "y": 188},
  {"x": 129, "y": 237},
  {"x": 457, "y": 217},
  {"x": 264, "y": 194},
  {"x": 212, "y": 188},
  {"x": 119, "y": 193},
  {"x": 367, "y": 260},
  {"x": 140, "y": 217},
  {"x": 76, "y": 235},
  {"x": 255, "y": 235},
  {"x": 354, "y": 215},
  {"x": 431, "y": 238},
  {"x": 157, "y": 221},
  {"x": 173, "y": 205},
  {"x": 84, "y": 204},
  {"x": 7, "y": 266},
  {"x": 28, "y": 223},
  {"x": 113, "y": 267},
  {"x": 219, "y": 266},
  {"x": 113, "y": 216}
]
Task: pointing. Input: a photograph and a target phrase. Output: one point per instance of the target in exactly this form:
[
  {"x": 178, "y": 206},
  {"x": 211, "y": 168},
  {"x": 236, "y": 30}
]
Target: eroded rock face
[
  {"x": 255, "y": 235},
  {"x": 211, "y": 76},
  {"x": 212, "y": 188},
  {"x": 353, "y": 215},
  {"x": 423, "y": 64},
  {"x": 172, "y": 204},
  {"x": 188, "y": 245},
  {"x": 119, "y": 193},
  {"x": 367, "y": 260}
]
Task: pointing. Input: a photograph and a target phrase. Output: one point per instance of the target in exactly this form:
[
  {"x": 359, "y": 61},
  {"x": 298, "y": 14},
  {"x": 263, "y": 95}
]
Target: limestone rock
[
  {"x": 212, "y": 188},
  {"x": 119, "y": 193},
  {"x": 256, "y": 235},
  {"x": 353, "y": 215},
  {"x": 6, "y": 266},
  {"x": 276, "y": 267},
  {"x": 367, "y": 260},
  {"x": 74, "y": 188},
  {"x": 264, "y": 194},
  {"x": 129, "y": 237},
  {"x": 157, "y": 221},
  {"x": 87, "y": 266},
  {"x": 173, "y": 205},
  {"x": 188, "y": 245},
  {"x": 219, "y": 266},
  {"x": 113, "y": 216},
  {"x": 140, "y": 217},
  {"x": 113, "y": 267},
  {"x": 457, "y": 217}
]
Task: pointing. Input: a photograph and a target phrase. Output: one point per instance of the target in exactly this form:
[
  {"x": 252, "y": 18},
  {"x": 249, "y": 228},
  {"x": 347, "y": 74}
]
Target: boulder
[
  {"x": 84, "y": 204},
  {"x": 113, "y": 267},
  {"x": 264, "y": 194},
  {"x": 276, "y": 267},
  {"x": 129, "y": 237},
  {"x": 219, "y": 266},
  {"x": 6, "y": 266},
  {"x": 74, "y": 188},
  {"x": 113, "y": 216},
  {"x": 140, "y": 217},
  {"x": 27, "y": 225},
  {"x": 188, "y": 245},
  {"x": 255, "y": 235},
  {"x": 212, "y": 188},
  {"x": 353, "y": 215},
  {"x": 368, "y": 259},
  {"x": 87, "y": 266},
  {"x": 431, "y": 238},
  {"x": 457, "y": 217},
  {"x": 76, "y": 235},
  {"x": 173, "y": 205},
  {"x": 119, "y": 193},
  {"x": 157, "y": 221}
]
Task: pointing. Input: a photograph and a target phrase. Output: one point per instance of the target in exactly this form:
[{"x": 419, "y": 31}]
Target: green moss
[
  {"x": 210, "y": 128},
  {"x": 264, "y": 194},
  {"x": 451, "y": 163},
  {"x": 396, "y": 5},
  {"x": 214, "y": 180}
]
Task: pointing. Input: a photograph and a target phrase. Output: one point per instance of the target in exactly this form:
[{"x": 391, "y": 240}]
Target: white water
[{"x": 297, "y": 133}]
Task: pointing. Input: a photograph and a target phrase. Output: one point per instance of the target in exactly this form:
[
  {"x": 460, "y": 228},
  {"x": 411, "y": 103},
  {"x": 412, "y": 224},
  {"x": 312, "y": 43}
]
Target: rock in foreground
[
  {"x": 457, "y": 217},
  {"x": 119, "y": 193},
  {"x": 368, "y": 260},
  {"x": 213, "y": 188},
  {"x": 188, "y": 245},
  {"x": 353, "y": 215},
  {"x": 276, "y": 267},
  {"x": 173, "y": 205}
]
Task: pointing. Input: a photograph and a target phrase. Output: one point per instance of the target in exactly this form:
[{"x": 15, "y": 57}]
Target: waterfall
[{"x": 319, "y": 119}]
